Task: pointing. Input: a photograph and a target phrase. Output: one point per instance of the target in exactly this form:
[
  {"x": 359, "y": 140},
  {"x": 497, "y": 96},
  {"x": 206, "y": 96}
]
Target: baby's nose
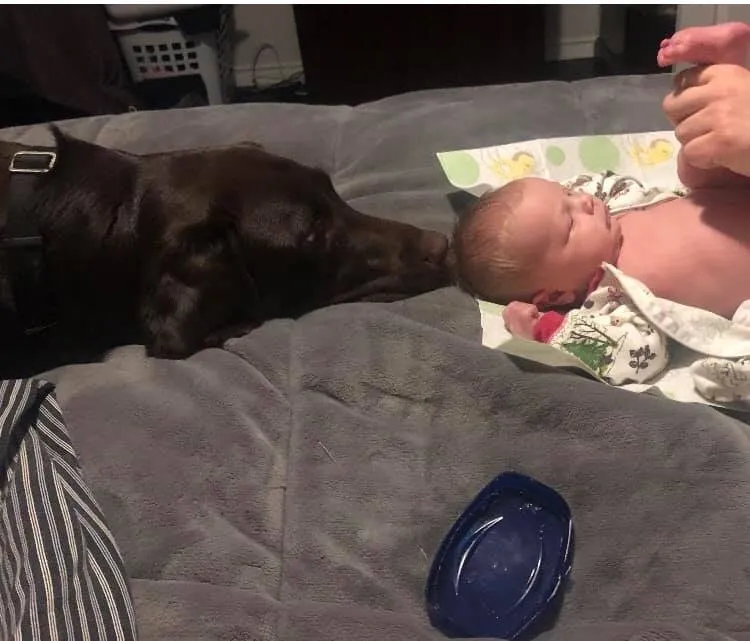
[{"x": 587, "y": 203}]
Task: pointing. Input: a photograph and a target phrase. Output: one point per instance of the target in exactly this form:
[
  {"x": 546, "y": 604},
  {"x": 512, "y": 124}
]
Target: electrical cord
[{"x": 284, "y": 78}]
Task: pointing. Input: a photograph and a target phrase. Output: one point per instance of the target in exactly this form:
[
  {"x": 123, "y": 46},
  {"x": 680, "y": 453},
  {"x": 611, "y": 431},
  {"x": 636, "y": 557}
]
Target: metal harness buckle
[{"x": 32, "y": 162}]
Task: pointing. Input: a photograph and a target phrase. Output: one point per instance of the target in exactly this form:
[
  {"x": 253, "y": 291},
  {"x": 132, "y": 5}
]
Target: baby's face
[{"x": 569, "y": 234}]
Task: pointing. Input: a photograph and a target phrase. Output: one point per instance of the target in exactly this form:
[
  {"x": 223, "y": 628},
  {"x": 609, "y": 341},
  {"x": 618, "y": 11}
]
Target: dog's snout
[{"x": 433, "y": 247}]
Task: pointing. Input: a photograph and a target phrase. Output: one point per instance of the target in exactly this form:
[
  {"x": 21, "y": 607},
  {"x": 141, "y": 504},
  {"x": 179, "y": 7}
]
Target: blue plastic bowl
[{"x": 501, "y": 568}]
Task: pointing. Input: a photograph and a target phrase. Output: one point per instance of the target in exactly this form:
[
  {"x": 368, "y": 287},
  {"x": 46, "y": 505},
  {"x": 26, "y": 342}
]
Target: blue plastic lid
[{"x": 501, "y": 567}]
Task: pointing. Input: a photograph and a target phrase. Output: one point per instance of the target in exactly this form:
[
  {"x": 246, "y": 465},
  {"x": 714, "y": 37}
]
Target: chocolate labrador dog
[{"x": 181, "y": 251}]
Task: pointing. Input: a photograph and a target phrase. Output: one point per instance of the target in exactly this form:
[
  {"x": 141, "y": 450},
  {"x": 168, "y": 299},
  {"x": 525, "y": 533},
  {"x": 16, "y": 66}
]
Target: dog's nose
[{"x": 433, "y": 247}]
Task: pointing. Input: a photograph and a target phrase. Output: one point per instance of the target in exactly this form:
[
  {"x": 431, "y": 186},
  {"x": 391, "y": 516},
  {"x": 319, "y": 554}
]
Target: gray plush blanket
[{"x": 296, "y": 485}]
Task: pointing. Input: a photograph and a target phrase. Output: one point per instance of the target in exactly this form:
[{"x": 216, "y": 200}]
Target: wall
[
  {"x": 265, "y": 24},
  {"x": 730, "y": 12},
  {"x": 694, "y": 15},
  {"x": 572, "y": 31}
]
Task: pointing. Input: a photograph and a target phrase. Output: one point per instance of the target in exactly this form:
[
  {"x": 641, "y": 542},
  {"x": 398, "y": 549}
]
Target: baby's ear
[
  {"x": 539, "y": 298},
  {"x": 542, "y": 299},
  {"x": 563, "y": 298}
]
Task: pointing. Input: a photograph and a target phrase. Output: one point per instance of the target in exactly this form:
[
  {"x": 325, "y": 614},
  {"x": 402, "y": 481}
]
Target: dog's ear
[
  {"x": 57, "y": 134},
  {"x": 103, "y": 178},
  {"x": 198, "y": 292},
  {"x": 61, "y": 138},
  {"x": 71, "y": 147},
  {"x": 180, "y": 316},
  {"x": 68, "y": 145}
]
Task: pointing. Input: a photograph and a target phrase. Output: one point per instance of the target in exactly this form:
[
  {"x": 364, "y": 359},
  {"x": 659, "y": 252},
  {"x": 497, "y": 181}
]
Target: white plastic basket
[{"x": 155, "y": 49}]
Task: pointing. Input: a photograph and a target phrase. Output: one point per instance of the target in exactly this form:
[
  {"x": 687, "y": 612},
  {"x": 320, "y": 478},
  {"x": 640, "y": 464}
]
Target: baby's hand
[{"x": 521, "y": 318}]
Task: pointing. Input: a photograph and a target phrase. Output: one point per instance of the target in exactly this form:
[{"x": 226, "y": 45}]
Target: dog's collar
[
  {"x": 26, "y": 169},
  {"x": 22, "y": 240}
]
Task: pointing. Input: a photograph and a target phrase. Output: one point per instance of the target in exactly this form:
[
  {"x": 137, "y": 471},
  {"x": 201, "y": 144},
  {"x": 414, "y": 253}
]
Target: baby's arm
[
  {"x": 526, "y": 321},
  {"x": 611, "y": 336}
]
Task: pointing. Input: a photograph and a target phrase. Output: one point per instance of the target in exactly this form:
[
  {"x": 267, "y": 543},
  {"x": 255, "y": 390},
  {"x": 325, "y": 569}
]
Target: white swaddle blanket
[{"x": 624, "y": 335}]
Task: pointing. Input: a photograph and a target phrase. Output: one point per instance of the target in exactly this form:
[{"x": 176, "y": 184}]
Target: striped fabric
[{"x": 61, "y": 574}]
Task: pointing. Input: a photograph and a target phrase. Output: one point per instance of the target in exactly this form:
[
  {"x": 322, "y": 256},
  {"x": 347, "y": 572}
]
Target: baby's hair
[{"x": 487, "y": 265}]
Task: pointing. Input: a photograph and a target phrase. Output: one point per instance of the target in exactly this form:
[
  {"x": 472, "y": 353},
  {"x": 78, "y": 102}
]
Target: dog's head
[
  {"x": 183, "y": 246},
  {"x": 300, "y": 244}
]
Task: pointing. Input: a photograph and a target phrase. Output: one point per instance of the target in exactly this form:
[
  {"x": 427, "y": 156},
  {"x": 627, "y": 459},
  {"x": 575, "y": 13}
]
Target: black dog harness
[{"x": 21, "y": 240}]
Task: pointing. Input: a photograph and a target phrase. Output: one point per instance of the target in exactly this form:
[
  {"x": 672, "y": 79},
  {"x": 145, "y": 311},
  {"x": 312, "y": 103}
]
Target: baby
[{"x": 540, "y": 243}]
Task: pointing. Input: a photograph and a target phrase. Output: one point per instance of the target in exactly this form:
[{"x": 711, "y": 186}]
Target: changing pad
[{"x": 651, "y": 157}]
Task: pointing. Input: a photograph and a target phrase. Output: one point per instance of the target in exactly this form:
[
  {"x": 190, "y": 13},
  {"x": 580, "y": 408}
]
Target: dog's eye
[{"x": 315, "y": 231}]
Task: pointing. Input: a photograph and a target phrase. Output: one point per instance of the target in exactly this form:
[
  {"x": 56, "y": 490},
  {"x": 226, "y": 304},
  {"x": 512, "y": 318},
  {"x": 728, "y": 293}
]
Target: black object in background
[
  {"x": 59, "y": 62},
  {"x": 356, "y": 53}
]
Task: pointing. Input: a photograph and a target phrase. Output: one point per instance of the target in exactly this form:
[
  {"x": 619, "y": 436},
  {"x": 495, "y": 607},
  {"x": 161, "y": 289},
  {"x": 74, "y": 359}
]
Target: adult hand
[
  {"x": 520, "y": 318},
  {"x": 710, "y": 110}
]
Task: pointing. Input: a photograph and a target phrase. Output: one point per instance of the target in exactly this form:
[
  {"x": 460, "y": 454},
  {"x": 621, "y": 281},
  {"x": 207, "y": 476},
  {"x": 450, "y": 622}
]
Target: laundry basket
[{"x": 158, "y": 48}]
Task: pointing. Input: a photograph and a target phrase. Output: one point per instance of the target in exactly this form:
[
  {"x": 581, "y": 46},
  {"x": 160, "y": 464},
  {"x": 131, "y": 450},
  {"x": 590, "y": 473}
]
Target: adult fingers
[
  {"x": 696, "y": 87},
  {"x": 693, "y": 126},
  {"x": 705, "y": 74},
  {"x": 694, "y": 77},
  {"x": 702, "y": 152},
  {"x": 679, "y": 105}
]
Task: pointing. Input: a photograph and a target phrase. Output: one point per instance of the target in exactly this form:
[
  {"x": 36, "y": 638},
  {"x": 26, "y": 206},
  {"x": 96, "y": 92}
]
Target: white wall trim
[
  {"x": 571, "y": 48},
  {"x": 267, "y": 73},
  {"x": 692, "y": 15}
]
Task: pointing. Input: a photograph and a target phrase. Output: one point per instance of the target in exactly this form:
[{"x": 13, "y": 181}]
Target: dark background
[{"x": 62, "y": 61}]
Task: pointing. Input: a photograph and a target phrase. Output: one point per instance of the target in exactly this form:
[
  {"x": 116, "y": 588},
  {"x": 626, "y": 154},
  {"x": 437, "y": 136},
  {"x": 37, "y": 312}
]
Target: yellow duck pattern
[
  {"x": 657, "y": 152},
  {"x": 521, "y": 164}
]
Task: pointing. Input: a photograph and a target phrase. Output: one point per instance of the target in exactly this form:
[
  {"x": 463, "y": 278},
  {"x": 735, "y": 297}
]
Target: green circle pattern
[
  {"x": 461, "y": 168},
  {"x": 555, "y": 156},
  {"x": 599, "y": 153}
]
